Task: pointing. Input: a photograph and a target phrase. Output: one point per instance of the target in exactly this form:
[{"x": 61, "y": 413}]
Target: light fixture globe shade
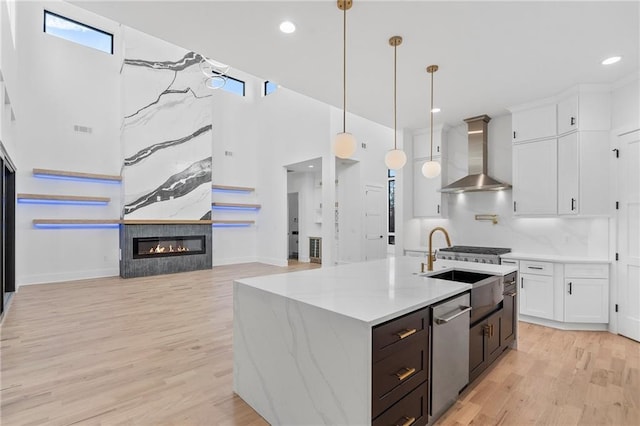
[
  {"x": 431, "y": 169},
  {"x": 395, "y": 159},
  {"x": 345, "y": 145}
]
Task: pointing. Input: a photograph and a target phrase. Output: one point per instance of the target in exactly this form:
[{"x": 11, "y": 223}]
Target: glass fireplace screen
[{"x": 168, "y": 246}]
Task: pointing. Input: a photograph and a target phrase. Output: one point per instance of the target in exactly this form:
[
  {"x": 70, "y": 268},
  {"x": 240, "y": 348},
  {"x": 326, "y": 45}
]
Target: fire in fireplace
[{"x": 168, "y": 246}]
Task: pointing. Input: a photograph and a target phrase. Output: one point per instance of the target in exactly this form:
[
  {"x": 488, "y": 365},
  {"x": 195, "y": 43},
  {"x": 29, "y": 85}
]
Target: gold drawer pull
[
  {"x": 406, "y": 333},
  {"x": 404, "y": 373},
  {"x": 406, "y": 421}
]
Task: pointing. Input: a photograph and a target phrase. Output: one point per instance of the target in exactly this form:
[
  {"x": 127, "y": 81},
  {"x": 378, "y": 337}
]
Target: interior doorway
[
  {"x": 304, "y": 208},
  {"x": 7, "y": 230},
  {"x": 628, "y": 247},
  {"x": 293, "y": 231},
  {"x": 375, "y": 208}
]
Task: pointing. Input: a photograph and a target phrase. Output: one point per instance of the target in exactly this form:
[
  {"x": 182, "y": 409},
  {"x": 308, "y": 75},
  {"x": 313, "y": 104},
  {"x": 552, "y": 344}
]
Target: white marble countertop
[
  {"x": 372, "y": 292},
  {"x": 553, "y": 258}
]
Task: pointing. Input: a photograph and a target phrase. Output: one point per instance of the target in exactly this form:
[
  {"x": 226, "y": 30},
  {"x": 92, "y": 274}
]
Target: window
[
  {"x": 269, "y": 87},
  {"x": 233, "y": 85},
  {"x": 76, "y": 32}
]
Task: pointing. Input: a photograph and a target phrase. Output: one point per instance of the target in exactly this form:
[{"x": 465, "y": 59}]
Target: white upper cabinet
[
  {"x": 587, "y": 110},
  {"x": 534, "y": 123},
  {"x": 535, "y": 178},
  {"x": 568, "y": 174},
  {"x": 422, "y": 142},
  {"x": 427, "y": 201}
]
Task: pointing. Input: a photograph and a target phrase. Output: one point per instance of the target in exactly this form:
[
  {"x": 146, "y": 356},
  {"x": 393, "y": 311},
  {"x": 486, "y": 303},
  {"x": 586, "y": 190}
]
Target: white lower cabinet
[
  {"x": 586, "y": 300},
  {"x": 536, "y": 295},
  {"x": 569, "y": 293}
]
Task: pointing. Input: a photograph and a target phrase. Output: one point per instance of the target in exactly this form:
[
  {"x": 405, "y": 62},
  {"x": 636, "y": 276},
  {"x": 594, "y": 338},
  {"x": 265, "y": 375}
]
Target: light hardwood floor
[{"x": 158, "y": 350}]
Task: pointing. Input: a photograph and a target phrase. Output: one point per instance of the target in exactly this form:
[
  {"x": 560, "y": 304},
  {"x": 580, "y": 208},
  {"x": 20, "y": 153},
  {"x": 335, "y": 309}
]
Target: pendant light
[
  {"x": 344, "y": 145},
  {"x": 395, "y": 158},
  {"x": 431, "y": 169}
]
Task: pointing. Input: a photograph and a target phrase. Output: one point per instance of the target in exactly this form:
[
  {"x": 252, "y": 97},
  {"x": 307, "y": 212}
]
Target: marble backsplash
[{"x": 166, "y": 131}]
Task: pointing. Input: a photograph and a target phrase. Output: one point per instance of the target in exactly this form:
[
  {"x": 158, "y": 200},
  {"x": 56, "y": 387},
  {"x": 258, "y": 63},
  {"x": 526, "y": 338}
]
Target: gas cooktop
[{"x": 476, "y": 250}]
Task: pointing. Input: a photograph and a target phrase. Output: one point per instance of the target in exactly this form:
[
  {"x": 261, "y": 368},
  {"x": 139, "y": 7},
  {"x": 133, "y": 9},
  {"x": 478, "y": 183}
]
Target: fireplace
[
  {"x": 168, "y": 246},
  {"x": 154, "y": 249}
]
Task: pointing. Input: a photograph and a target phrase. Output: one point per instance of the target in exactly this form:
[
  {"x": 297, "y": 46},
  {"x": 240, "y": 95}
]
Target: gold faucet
[{"x": 432, "y": 257}]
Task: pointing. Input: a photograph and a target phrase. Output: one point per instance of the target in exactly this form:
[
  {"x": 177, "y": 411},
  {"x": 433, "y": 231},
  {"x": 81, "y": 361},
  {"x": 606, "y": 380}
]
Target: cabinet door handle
[
  {"x": 487, "y": 330},
  {"x": 511, "y": 294},
  {"x": 438, "y": 208},
  {"x": 573, "y": 204},
  {"x": 570, "y": 288},
  {"x": 405, "y": 372},
  {"x": 514, "y": 206},
  {"x": 521, "y": 282},
  {"x": 405, "y": 421},
  {"x": 406, "y": 333},
  {"x": 539, "y": 268},
  {"x": 573, "y": 121},
  {"x": 514, "y": 134}
]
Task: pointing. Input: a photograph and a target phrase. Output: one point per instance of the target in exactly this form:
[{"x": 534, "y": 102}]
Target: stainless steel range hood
[{"x": 477, "y": 179}]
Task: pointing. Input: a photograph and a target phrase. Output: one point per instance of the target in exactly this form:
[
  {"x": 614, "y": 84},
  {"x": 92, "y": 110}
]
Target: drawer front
[
  {"x": 586, "y": 270},
  {"x": 536, "y": 268},
  {"x": 510, "y": 262},
  {"x": 411, "y": 410},
  {"x": 399, "y": 333},
  {"x": 395, "y": 376}
]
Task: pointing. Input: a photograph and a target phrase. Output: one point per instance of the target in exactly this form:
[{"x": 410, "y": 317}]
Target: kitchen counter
[
  {"x": 553, "y": 258},
  {"x": 303, "y": 340}
]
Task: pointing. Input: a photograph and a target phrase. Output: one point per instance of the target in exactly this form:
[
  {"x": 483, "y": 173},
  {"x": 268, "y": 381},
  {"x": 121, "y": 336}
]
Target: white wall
[
  {"x": 625, "y": 104},
  {"x": 573, "y": 237},
  {"x": 61, "y": 84},
  {"x": 8, "y": 79}
]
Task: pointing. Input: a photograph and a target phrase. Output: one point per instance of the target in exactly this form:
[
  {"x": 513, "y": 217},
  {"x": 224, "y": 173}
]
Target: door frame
[{"x": 383, "y": 216}]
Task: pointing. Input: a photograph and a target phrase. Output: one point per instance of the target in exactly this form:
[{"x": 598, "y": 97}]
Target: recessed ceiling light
[
  {"x": 611, "y": 60},
  {"x": 287, "y": 27},
  {"x": 311, "y": 166},
  {"x": 435, "y": 110}
]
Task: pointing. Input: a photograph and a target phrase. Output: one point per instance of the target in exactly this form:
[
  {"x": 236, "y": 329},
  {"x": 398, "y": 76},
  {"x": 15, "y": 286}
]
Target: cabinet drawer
[
  {"x": 394, "y": 376},
  {"x": 536, "y": 268},
  {"x": 400, "y": 332},
  {"x": 510, "y": 262},
  {"x": 411, "y": 410},
  {"x": 586, "y": 270}
]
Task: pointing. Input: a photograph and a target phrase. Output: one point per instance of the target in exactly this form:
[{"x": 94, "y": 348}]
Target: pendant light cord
[
  {"x": 395, "y": 96},
  {"x": 344, "y": 72},
  {"x": 431, "y": 116}
]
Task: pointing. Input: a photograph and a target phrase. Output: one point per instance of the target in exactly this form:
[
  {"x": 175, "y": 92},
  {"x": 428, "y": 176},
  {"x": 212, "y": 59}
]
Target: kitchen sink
[{"x": 461, "y": 276}]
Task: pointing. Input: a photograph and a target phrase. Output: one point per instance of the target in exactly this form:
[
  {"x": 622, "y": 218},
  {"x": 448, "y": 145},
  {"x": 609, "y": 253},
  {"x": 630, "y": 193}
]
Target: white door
[
  {"x": 586, "y": 300},
  {"x": 629, "y": 236},
  {"x": 536, "y": 295},
  {"x": 375, "y": 207}
]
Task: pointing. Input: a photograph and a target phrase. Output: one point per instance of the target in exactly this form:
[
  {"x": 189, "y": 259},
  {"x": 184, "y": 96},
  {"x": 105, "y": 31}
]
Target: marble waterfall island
[{"x": 302, "y": 341}]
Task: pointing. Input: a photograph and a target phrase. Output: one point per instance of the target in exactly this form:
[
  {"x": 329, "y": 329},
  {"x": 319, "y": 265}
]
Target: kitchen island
[{"x": 303, "y": 340}]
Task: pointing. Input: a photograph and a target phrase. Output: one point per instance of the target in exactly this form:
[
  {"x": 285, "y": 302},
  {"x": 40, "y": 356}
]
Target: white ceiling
[{"x": 491, "y": 54}]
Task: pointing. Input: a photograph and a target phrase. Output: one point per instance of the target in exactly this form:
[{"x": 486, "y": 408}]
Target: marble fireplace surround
[{"x": 148, "y": 266}]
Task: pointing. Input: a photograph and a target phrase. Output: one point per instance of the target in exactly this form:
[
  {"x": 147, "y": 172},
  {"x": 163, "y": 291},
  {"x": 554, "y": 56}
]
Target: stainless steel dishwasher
[{"x": 450, "y": 352}]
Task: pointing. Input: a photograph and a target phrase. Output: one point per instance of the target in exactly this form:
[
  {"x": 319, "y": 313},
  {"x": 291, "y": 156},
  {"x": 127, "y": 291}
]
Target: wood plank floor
[{"x": 158, "y": 350}]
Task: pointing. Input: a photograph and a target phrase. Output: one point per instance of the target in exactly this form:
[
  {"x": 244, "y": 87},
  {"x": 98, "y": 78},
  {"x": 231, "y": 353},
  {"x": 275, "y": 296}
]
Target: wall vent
[{"x": 82, "y": 129}]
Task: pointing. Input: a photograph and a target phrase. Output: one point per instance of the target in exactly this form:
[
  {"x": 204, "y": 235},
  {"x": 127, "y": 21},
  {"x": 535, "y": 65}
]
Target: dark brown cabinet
[
  {"x": 400, "y": 370},
  {"x": 485, "y": 344},
  {"x": 509, "y": 317}
]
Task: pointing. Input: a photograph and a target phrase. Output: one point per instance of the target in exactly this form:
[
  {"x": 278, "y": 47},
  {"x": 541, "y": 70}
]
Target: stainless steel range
[{"x": 472, "y": 254}]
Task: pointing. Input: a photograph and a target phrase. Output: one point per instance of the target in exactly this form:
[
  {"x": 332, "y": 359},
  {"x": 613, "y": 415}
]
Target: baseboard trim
[
  {"x": 273, "y": 261},
  {"x": 574, "y": 326},
  {"x": 233, "y": 261},
  {"x": 66, "y": 276}
]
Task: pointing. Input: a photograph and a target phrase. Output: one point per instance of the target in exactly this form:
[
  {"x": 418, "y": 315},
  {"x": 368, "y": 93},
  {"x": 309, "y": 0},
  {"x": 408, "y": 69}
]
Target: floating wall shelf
[
  {"x": 165, "y": 222},
  {"x": 232, "y": 223},
  {"x": 61, "y": 199},
  {"x": 76, "y": 223},
  {"x": 235, "y": 206},
  {"x": 232, "y": 188},
  {"x": 67, "y": 175}
]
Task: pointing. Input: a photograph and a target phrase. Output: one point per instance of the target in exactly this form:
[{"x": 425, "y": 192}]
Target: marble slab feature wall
[{"x": 166, "y": 131}]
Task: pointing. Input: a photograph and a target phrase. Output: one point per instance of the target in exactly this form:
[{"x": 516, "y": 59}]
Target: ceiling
[{"x": 491, "y": 54}]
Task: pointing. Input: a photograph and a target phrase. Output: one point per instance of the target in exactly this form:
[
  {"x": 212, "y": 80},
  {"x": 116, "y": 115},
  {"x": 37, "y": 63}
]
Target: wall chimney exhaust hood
[{"x": 477, "y": 179}]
